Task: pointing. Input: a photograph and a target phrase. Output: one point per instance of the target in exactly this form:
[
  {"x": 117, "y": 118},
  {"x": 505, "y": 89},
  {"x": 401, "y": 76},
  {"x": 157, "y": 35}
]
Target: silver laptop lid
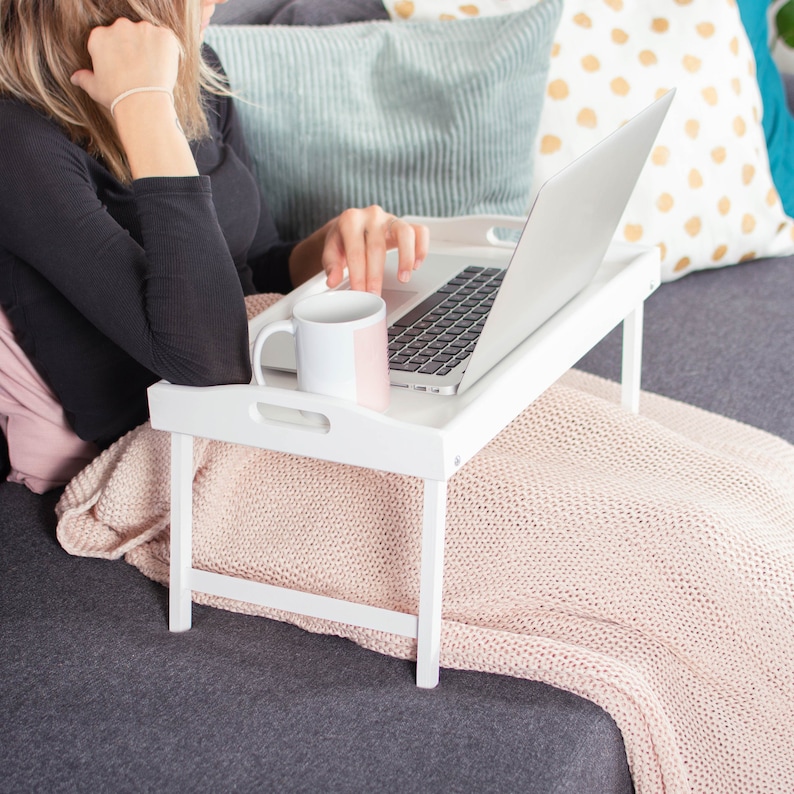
[{"x": 566, "y": 235}]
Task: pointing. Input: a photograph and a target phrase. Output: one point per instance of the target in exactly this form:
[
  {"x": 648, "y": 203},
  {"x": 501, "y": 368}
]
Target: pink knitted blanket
[{"x": 643, "y": 562}]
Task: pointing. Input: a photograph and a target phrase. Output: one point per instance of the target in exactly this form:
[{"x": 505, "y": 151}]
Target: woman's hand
[
  {"x": 357, "y": 240},
  {"x": 128, "y": 55}
]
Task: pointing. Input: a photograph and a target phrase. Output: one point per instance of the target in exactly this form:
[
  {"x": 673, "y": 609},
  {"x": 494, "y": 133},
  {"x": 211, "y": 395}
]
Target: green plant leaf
[{"x": 784, "y": 19}]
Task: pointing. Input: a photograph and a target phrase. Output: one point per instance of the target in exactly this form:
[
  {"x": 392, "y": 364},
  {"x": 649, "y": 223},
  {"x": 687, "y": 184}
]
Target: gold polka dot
[
  {"x": 662, "y": 251},
  {"x": 665, "y": 202},
  {"x": 590, "y": 63},
  {"x": 469, "y": 10},
  {"x": 683, "y": 2},
  {"x": 615, "y": 5},
  {"x": 719, "y": 253},
  {"x": 739, "y": 126},
  {"x": 692, "y": 128},
  {"x": 632, "y": 232},
  {"x": 693, "y": 226},
  {"x": 736, "y": 84},
  {"x": 587, "y": 118},
  {"x": 660, "y": 92},
  {"x": 792, "y": 231},
  {"x": 583, "y": 21},
  {"x": 748, "y": 172},
  {"x": 748, "y": 223},
  {"x": 446, "y": 17},
  {"x": 705, "y": 29},
  {"x": 550, "y": 144},
  {"x": 734, "y": 45},
  {"x": 756, "y": 115},
  {"x": 557, "y": 89},
  {"x": 620, "y": 86},
  {"x": 660, "y": 25},
  {"x": 691, "y": 63},
  {"x": 710, "y": 95},
  {"x": 682, "y": 264},
  {"x": 555, "y": 49},
  {"x": 695, "y": 179},
  {"x": 404, "y": 9},
  {"x": 748, "y": 257},
  {"x": 772, "y": 197},
  {"x": 718, "y": 154},
  {"x": 619, "y": 36},
  {"x": 781, "y": 226},
  {"x": 647, "y": 58},
  {"x": 660, "y": 155},
  {"x": 724, "y": 205}
]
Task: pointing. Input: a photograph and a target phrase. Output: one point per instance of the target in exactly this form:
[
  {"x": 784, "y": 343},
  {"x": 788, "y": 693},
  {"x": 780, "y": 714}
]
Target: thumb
[
  {"x": 334, "y": 267},
  {"x": 86, "y": 79},
  {"x": 81, "y": 78}
]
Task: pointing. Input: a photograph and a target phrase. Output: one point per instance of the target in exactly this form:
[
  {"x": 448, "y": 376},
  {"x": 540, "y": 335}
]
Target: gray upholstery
[
  {"x": 98, "y": 696},
  {"x": 297, "y": 12},
  {"x": 721, "y": 340}
]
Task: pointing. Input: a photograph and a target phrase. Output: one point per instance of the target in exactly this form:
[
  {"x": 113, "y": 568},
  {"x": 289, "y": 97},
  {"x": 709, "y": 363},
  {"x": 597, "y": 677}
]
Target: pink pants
[{"x": 43, "y": 450}]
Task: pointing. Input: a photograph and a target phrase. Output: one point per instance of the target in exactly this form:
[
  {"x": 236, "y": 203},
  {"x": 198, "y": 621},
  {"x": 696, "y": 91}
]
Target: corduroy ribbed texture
[{"x": 422, "y": 118}]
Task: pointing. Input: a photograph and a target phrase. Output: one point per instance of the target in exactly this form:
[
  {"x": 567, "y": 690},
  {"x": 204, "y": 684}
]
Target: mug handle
[{"x": 264, "y": 333}]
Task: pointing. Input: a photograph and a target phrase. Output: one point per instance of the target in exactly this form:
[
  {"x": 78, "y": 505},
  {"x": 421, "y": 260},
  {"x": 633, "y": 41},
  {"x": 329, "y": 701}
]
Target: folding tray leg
[
  {"x": 428, "y": 647},
  {"x": 180, "y": 605},
  {"x": 632, "y": 359}
]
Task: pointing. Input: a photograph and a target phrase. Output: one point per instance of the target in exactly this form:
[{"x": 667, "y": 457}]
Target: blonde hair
[{"x": 43, "y": 42}]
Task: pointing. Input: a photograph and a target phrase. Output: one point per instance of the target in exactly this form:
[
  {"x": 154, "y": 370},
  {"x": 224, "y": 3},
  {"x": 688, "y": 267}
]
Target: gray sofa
[{"x": 97, "y": 695}]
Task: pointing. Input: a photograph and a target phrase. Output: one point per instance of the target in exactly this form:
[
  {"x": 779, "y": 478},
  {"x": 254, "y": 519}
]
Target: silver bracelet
[{"x": 140, "y": 90}]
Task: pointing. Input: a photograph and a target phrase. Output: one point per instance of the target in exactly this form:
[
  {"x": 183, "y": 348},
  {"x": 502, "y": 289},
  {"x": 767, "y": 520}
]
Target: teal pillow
[
  {"x": 425, "y": 118},
  {"x": 777, "y": 120}
]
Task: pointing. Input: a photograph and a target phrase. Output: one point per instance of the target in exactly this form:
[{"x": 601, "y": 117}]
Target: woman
[{"x": 131, "y": 226}]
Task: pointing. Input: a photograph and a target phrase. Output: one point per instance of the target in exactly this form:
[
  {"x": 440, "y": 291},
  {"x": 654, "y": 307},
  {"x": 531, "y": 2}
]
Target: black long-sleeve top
[{"x": 110, "y": 287}]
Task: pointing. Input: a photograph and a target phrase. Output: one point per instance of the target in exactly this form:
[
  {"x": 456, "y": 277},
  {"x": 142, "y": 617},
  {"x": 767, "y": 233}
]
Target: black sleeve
[{"x": 170, "y": 298}]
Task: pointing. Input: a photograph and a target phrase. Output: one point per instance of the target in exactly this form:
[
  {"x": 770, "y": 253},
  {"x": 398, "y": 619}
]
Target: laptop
[{"x": 459, "y": 316}]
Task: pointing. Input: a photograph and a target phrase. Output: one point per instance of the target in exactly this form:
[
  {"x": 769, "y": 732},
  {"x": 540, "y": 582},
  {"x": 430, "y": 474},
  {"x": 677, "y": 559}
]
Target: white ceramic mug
[{"x": 341, "y": 346}]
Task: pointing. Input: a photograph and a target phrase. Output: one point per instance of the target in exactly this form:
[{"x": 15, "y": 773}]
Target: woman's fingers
[
  {"x": 359, "y": 239},
  {"x": 411, "y": 241},
  {"x": 128, "y": 55}
]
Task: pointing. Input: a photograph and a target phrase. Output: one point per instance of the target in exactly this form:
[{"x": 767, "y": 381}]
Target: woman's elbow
[{"x": 210, "y": 368}]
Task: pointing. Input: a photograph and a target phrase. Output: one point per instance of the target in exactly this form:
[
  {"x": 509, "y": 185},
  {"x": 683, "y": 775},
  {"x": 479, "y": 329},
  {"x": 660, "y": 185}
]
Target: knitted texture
[{"x": 644, "y": 562}]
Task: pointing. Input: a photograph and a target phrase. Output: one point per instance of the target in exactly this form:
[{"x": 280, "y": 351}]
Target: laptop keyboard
[{"x": 439, "y": 333}]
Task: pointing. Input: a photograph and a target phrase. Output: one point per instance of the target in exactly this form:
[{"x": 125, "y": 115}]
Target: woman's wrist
[
  {"x": 144, "y": 89},
  {"x": 152, "y": 137}
]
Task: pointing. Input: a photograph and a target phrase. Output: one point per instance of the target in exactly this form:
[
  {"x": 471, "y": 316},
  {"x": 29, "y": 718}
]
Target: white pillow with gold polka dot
[
  {"x": 452, "y": 9},
  {"x": 706, "y": 196}
]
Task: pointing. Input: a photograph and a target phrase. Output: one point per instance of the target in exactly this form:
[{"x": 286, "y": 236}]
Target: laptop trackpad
[
  {"x": 278, "y": 351},
  {"x": 396, "y": 298}
]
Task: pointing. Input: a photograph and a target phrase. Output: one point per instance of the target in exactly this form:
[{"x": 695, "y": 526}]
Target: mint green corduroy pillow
[{"x": 424, "y": 118}]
